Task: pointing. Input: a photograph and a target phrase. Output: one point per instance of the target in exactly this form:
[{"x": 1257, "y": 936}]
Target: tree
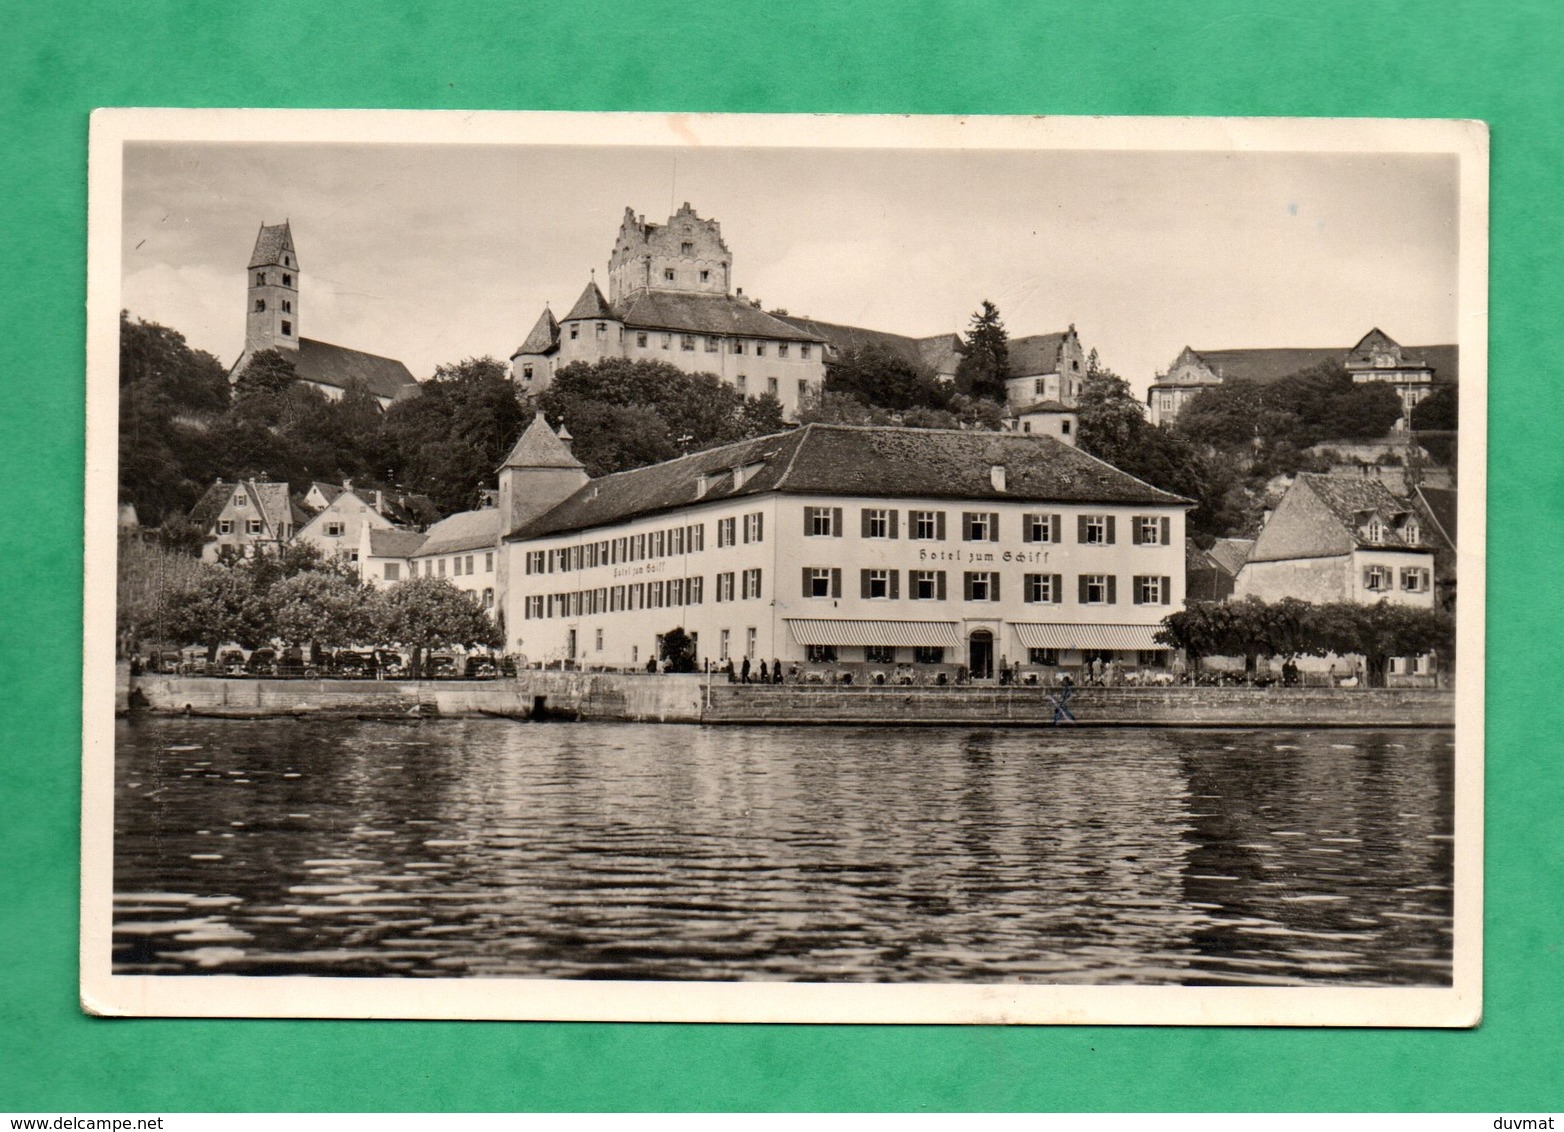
[
  {"x": 421, "y": 614},
  {"x": 884, "y": 380},
  {"x": 263, "y": 383},
  {"x": 217, "y": 605},
  {"x": 678, "y": 651},
  {"x": 146, "y": 573},
  {"x": 985, "y": 357},
  {"x": 325, "y": 609},
  {"x": 1435, "y": 420},
  {"x": 1380, "y": 631}
]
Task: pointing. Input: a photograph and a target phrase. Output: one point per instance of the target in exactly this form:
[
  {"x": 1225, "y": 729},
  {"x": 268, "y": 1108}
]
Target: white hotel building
[{"x": 886, "y": 550}]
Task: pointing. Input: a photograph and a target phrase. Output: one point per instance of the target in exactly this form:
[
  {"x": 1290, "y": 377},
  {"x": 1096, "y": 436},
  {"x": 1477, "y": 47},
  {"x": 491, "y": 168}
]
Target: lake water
[{"x": 628, "y": 851}]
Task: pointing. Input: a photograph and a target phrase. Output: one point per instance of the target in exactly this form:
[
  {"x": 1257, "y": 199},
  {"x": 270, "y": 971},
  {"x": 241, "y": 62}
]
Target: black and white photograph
[{"x": 806, "y": 569}]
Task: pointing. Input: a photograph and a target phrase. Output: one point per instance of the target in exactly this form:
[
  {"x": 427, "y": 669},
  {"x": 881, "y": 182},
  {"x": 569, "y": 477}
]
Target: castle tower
[
  {"x": 272, "y": 300},
  {"x": 685, "y": 255}
]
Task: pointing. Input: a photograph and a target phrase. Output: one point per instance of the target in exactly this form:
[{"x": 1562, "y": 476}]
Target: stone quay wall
[{"x": 691, "y": 699}]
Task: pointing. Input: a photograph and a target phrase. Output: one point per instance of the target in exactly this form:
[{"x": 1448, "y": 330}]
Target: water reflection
[{"x": 626, "y": 851}]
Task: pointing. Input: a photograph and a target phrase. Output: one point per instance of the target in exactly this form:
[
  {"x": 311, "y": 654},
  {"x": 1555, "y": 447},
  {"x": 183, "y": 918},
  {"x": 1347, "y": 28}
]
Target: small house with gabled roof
[
  {"x": 1333, "y": 539},
  {"x": 246, "y": 517}
]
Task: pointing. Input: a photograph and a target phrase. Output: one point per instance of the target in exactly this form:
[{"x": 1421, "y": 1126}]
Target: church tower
[{"x": 272, "y": 321}]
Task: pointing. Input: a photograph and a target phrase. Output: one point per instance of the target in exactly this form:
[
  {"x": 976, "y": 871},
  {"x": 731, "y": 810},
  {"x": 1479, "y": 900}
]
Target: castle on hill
[
  {"x": 272, "y": 310},
  {"x": 671, "y": 299}
]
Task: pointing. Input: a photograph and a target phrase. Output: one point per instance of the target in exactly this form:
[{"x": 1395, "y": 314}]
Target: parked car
[
  {"x": 390, "y": 662},
  {"x": 354, "y": 665},
  {"x": 440, "y": 666},
  {"x": 480, "y": 668},
  {"x": 262, "y": 662},
  {"x": 230, "y": 662}
]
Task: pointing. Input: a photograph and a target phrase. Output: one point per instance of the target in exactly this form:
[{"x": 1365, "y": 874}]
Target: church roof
[
  {"x": 273, "y": 240},
  {"x": 544, "y": 335},
  {"x": 847, "y": 460},
  {"x": 539, "y": 447},
  {"x": 1036, "y": 354},
  {"x": 339, "y": 366},
  {"x": 709, "y": 314},
  {"x": 591, "y": 304}
]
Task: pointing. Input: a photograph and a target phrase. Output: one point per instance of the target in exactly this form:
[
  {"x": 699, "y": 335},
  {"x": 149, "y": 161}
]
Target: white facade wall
[
  {"x": 473, "y": 569},
  {"x": 757, "y": 625},
  {"x": 338, "y": 530}
]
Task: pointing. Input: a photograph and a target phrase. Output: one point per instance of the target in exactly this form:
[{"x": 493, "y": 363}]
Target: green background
[{"x": 1499, "y": 62}]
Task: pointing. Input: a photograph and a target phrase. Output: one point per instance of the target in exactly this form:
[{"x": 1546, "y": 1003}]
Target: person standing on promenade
[{"x": 744, "y": 672}]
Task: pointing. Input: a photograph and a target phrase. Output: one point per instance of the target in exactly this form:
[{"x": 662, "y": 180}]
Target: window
[
  {"x": 739, "y": 383},
  {"x": 1064, "y": 426},
  {"x": 260, "y": 305},
  {"x": 725, "y": 586},
  {"x": 575, "y": 332},
  {"x": 771, "y": 386},
  {"x": 1098, "y": 589},
  {"x": 287, "y": 328},
  {"x": 441, "y": 568},
  {"x": 878, "y": 584},
  {"x": 803, "y": 389},
  {"x": 252, "y": 526},
  {"x": 981, "y": 586},
  {"x": 879, "y": 522},
  {"x": 1045, "y": 589},
  {"x": 1040, "y": 528},
  {"x": 694, "y": 590},
  {"x": 928, "y": 654},
  {"x": 1151, "y": 658},
  {"x": 725, "y": 532},
  {"x": 760, "y": 349},
  {"x": 597, "y": 640},
  {"x": 687, "y": 342},
  {"x": 1376, "y": 578},
  {"x": 1414, "y": 579},
  {"x": 781, "y": 349},
  {"x": 225, "y": 526},
  {"x": 526, "y": 373},
  {"x": 428, "y": 567},
  {"x": 713, "y": 344},
  {"x": 1094, "y": 530},
  {"x": 927, "y": 585},
  {"x": 335, "y": 530},
  {"x": 879, "y": 654},
  {"x": 1411, "y": 532},
  {"x": 752, "y": 583},
  {"x": 535, "y": 561},
  {"x": 723, "y": 639},
  {"x": 241, "y": 500},
  {"x": 695, "y": 537},
  {"x": 980, "y": 526},
  {"x": 738, "y": 345},
  {"x": 469, "y": 564},
  {"x": 705, "y": 276},
  {"x": 488, "y": 562},
  {"x": 668, "y": 275},
  {"x": 804, "y": 350},
  {"x": 821, "y": 581},
  {"x": 640, "y": 338},
  {"x": 393, "y": 571},
  {"x": 749, "y": 642},
  {"x": 488, "y": 602},
  {"x": 754, "y": 526},
  {"x": 287, "y": 306},
  {"x": 823, "y": 521},
  {"x": 1153, "y": 590},
  {"x": 1376, "y": 530},
  {"x": 1048, "y": 657},
  {"x": 686, "y": 249},
  {"x": 1152, "y": 530},
  {"x": 927, "y": 525},
  {"x": 287, "y": 280},
  {"x": 820, "y": 654},
  {"x": 667, "y": 341},
  {"x": 602, "y": 329}
]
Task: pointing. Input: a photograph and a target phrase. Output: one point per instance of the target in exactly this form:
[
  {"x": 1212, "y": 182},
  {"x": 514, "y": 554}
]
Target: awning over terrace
[
  {"x": 1052, "y": 635},
  {"x": 829, "y": 631}
]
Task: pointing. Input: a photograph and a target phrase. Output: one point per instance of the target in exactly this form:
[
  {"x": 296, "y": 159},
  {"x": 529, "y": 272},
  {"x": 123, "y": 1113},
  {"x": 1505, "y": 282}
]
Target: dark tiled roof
[
  {"x": 211, "y": 504},
  {"x": 1267, "y": 365},
  {"x": 1230, "y": 553},
  {"x": 338, "y": 366},
  {"x": 542, "y": 338},
  {"x": 708, "y": 314},
  {"x": 271, "y": 243},
  {"x": 1350, "y": 500},
  {"x": 923, "y": 353},
  {"x": 1042, "y": 407},
  {"x": 1446, "y": 361},
  {"x": 591, "y": 304},
  {"x": 329, "y": 490},
  {"x": 820, "y": 459},
  {"x": 1363, "y": 353},
  {"x": 1439, "y": 504},
  {"x": 1036, "y": 354},
  {"x": 941, "y": 353},
  {"x": 391, "y": 543}
]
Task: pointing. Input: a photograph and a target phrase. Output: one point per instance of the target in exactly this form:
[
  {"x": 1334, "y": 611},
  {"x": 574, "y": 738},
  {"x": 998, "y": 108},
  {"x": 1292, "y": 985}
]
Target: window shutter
[
  {"x": 836, "y": 582},
  {"x": 1167, "y": 587},
  {"x": 1113, "y": 585},
  {"x": 1081, "y": 595},
  {"x": 966, "y": 586},
  {"x": 939, "y": 525},
  {"x": 1026, "y": 527},
  {"x": 1057, "y": 592},
  {"x": 746, "y": 531},
  {"x": 895, "y": 523},
  {"x": 863, "y": 523},
  {"x": 760, "y": 526},
  {"x": 1056, "y": 527},
  {"x": 1135, "y": 529},
  {"x": 939, "y": 584},
  {"x": 836, "y": 522},
  {"x": 895, "y": 580},
  {"x": 808, "y": 589},
  {"x": 863, "y": 583},
  {"x": 1110, "y": 530},
  {"x": 809, "y": 522},
  {"x": 993, "y": 526},
  {"x": 1167, "y": 530},
  {"x": 993, "y": 588},
  {"x": 1135, "y": 589},
  {"x": 1080, "y": 531}
]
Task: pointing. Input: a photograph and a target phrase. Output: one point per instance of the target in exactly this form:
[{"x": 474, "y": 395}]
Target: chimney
[
  {"x": 996, "y": 476},
  {"x": 380, "y": 501},
  {"x": 564, "y": 435}
]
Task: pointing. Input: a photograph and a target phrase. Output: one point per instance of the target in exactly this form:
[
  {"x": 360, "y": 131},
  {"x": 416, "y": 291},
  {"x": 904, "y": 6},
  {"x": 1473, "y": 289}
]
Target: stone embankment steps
[{"x": 691, "y": 699}]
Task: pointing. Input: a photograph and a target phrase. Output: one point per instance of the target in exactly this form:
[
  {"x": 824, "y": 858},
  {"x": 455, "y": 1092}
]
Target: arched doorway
[{"x": 980, "y": 654}]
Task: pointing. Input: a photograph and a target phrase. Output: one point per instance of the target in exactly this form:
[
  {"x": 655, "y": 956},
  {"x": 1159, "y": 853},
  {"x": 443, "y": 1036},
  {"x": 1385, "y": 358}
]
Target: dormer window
[
  {"x": 1411, "y": 532},
  {"x": 1376, "y": 530}
]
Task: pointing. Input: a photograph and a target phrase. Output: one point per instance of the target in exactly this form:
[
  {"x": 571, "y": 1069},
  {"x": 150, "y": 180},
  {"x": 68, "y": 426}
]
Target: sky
[{"x": 435, "y": 253}]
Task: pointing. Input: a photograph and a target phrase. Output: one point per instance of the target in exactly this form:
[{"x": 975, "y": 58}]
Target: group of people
[{"x": 746, "y": 674}]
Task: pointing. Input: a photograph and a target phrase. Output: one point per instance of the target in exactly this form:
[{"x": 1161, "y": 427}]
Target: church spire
[{"x": 272, "y": 299}]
